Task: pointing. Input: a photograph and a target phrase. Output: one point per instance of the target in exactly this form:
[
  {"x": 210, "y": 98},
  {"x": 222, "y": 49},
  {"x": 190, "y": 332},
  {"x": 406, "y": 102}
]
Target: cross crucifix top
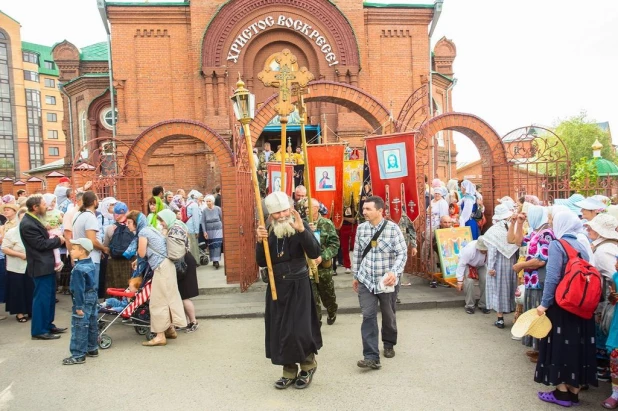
[{"x": 284, "y": 78}]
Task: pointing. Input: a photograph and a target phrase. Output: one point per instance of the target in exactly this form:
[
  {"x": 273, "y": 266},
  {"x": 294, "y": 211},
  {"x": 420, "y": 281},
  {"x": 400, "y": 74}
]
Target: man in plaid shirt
[{"x": 381, "y": 267}]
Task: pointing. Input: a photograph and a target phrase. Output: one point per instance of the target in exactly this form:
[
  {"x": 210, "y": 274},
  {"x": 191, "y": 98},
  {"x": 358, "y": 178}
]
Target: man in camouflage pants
[{"x": 329, "y": 243}]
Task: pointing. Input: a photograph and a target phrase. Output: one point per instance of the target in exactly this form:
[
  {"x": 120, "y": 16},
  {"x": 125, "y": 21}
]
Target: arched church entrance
[{"x": 237, "y": 224}]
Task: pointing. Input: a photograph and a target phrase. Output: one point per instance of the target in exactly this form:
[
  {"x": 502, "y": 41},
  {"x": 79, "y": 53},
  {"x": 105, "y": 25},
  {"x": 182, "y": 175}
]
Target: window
[
  {"x": 54, "y": 151},
  {"x": 49, "y": 65},
  {"x": 30, "y": 57},
  {"x": 50, "y": 82},
  {"x": 51, "y": 100},
  {"x": 31, "y": 75},
  {"x": 83, "y": 128},
  {"x": 52, "y": 117},
  {"x": 52, "y": 134},
  {"x": 106, "y": 118}
]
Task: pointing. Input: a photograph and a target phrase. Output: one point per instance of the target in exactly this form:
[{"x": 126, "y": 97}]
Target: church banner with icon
[
  {"x": 274, "y": 178},
  {"x": 450, "y": 242},
  {"x": 352, "y": 181},
  {"x": 392, "y": 164},
  {"x": 326, "y": 177}
]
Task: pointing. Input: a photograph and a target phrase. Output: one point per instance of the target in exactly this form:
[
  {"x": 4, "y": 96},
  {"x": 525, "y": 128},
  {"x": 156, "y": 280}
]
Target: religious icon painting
[
  {"x": 325, "y": 178},
  {"x": 392, "y": 161},
  {"x": 274, "y": 178}
]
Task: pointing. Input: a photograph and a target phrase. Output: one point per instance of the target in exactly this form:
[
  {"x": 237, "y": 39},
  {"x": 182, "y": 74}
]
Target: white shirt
[
  {"x": 12, "y": 241},
  {"x": 469, "y": 256},
  {"x": 605, "y": 257}
]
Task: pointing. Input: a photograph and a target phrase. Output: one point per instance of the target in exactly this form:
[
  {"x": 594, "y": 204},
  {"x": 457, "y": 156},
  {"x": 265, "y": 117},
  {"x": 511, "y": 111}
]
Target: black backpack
[{"x": 121, "y": 239}]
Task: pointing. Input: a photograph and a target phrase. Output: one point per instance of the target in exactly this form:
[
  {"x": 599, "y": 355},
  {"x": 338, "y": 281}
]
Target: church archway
[{"x": 152, "y": 138}]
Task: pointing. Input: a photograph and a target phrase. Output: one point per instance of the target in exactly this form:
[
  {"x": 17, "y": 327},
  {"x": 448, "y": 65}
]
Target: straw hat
[
  {"x": 480, "y": 244},
  {"x": 13, "y": 207},
  {"x": 530, "y": 323},
  {"x": 605, "y": 225}
]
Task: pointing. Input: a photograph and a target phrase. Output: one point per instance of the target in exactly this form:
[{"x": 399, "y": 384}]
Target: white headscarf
[
  {"x": 104, "y": 207},
  {"x": 194, "y": 194},
  {"x": 469, "y": 186},
  {"x": 49, "y": 198},
  {"x": 566, "y": 223}
]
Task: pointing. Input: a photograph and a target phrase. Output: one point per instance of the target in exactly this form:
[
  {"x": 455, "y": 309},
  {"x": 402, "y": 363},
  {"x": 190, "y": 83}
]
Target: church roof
[
  {"x": 95, "y": 52},
  {"x": 605, "y": 167}
]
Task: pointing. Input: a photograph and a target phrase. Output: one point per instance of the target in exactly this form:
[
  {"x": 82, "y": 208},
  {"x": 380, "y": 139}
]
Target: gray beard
[{"x": 282, "y": 227}]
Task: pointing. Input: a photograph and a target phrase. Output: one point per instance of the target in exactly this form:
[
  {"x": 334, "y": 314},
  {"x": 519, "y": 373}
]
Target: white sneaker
[{"x": 348, "y": 271}]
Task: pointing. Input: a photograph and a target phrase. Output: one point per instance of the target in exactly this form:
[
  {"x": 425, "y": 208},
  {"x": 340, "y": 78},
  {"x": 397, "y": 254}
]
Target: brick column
[
  {"x": 221, "y": 95},
  {"x": 210, "y": 97}
]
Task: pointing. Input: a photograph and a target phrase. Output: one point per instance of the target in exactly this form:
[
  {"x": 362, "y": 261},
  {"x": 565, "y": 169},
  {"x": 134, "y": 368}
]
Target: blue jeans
[
  {"x": 43, "y": 304},
  {"x": 84, "y": 330},
  {"x": 369, "y": 329}
]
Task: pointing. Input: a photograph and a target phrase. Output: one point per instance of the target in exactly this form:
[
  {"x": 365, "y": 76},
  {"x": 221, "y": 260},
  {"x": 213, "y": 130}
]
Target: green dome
[{"x": 605, "y": 167}]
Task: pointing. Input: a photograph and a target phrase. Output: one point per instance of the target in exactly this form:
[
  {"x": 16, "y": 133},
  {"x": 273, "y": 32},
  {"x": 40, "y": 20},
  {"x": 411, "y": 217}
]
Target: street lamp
[{"x": 244, "y": 109}]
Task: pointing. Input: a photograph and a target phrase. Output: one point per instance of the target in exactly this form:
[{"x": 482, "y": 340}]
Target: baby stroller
[
  {"x": 136, "y": 314},
  {"x": 204, "y": 257}
]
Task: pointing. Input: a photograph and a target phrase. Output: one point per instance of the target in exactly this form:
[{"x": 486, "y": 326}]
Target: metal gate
[
  {"x": 537, "y": 163},
  {"x": 245, "y": 199},
  {"x": 113, "y": 169}
]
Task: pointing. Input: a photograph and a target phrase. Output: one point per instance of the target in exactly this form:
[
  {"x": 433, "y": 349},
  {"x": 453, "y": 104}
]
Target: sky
[{"x": 518, "y": 62}]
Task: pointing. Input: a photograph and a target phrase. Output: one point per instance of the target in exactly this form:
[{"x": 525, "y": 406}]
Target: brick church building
[{"x": 178, "y": 63}]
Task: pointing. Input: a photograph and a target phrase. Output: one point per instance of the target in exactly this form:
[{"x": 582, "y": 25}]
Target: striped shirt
[{"x": 390, "y": 254}]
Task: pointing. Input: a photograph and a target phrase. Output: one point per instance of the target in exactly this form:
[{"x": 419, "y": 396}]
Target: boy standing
[{"x": 84, "y": 330}]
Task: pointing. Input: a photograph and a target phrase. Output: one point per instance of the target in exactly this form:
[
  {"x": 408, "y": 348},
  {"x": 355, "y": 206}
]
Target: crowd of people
[
  {"x": 71, "y": 242},
  {"x": 518, "y": 264}
]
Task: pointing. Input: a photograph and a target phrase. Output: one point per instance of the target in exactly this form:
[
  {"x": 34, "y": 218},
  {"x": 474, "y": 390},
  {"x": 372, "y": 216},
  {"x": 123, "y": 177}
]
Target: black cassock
[{"x": 292, "y": 324}]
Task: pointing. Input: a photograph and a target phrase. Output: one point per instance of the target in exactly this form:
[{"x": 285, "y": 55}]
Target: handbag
[{"x": 473, "y": 272}]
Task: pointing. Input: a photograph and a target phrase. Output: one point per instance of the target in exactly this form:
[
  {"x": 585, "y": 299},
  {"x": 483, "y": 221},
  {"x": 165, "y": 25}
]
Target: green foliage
[
  {"x": 579, "y": 133},
  {"x": 584, "y": 177}
]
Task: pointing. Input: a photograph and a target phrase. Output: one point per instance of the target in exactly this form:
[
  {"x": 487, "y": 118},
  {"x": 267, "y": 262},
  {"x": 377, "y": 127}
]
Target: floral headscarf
[
  {"x": 177, "y": 203},
  {"x": 8, "y": 199}
]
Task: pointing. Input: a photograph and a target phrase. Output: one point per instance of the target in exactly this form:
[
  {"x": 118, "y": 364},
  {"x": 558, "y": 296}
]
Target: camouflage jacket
[
  {"x": 408, "y": 231},
  {"x": 301, "y": 207},
  {"x": 329, "y": 240},
  {"x": 262, "y": 160}
]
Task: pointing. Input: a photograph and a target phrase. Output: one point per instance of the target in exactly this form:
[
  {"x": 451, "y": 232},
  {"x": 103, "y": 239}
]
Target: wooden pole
[
  {"x": 284, "y": 122},
  {"x": 258, "y": 201}
]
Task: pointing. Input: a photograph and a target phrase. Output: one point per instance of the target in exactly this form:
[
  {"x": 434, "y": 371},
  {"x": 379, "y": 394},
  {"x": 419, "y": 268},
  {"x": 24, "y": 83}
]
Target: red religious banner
[
  {"x": 274, "y": 178},
  {"x": 392, "y": 163},
  {"x": 326, "y": 178}
]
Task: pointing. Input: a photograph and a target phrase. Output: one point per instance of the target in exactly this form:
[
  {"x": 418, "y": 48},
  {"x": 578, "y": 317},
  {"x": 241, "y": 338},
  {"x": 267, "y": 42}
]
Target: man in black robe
[{"x": 292, "y": 325}]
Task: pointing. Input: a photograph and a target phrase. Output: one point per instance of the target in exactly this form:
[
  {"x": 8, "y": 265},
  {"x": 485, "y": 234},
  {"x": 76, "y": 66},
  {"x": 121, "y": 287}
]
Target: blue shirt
[
  {"x": 556, "y": 263},
  {"x": 195, "y": 217},
  {"x": 156, "y": 252},
  {"x": 82, "y": 280}
]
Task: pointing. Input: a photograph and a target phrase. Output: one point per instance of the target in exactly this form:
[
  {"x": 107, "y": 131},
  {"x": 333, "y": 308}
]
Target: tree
[
  {"x": 579, "y": 134},
  {"x": 584, "y": 177}
]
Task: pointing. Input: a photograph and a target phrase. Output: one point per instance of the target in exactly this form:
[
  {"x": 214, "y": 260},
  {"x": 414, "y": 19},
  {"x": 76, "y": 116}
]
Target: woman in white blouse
[
  {"x": 20, "y": 286},
  {"x": 438, "y": 207}
]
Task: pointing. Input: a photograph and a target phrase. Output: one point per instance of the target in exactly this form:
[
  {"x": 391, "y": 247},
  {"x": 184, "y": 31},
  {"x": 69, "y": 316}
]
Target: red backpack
[
  {"x": 579, "y": 291},
  {"x": 183, "y": 214}
]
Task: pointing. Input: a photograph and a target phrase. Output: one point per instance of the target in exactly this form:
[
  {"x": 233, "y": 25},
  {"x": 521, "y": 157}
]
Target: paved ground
[{"x": 446, "y": 360}]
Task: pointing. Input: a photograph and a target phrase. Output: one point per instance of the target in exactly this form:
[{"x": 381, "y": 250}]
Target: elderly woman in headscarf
[
  {"x": 177, "y": 203},
  {"x": 155, "y": 206},
  {"x": 501, "y": 279},
  {"x": 106, "y": 217},
  {"x": 567, "y": 356},
  {"x": 166, "y": 310},
  {"x": 176, "y": 233},
  {"x": 212, "y": 225},
  {"x": 193, "y": 223},
  {"x": 468, "y": 206},
  {"x": 438, "y": 207},
  {"x": 537, "y": 249}
]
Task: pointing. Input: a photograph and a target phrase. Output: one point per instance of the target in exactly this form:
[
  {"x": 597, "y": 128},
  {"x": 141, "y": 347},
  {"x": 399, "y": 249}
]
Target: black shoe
[
  {"x": 57, "y": 330},
  {"x": 304, "y": 378},
  {"x": 389, "y": 352},
  {"x": 74, "y": 360},
  {"x": 373, "y": 364},
  {"x": 470, "y": 310},
  {"x": 398, "y": 301},
  {"x": 433, "y": 284},
  {"x": 46, "y": 336},
  {"x": 331, "y": 320},
  {"x": 499, "y": 323},
  {"x": 283, "y": 383},
  {"x": 93, "y": 353},
  {"x": 485, "y": 310}
]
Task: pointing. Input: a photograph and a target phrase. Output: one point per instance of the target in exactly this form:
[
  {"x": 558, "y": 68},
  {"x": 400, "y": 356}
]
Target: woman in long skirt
[
  {"x": 501, "y": 256},
  {"x": 20, "y": 287},
  {"x": 567, "y": 356},
  {"x": 212, "y": 225}
]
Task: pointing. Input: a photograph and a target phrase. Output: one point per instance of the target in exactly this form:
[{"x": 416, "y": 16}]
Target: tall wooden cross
[{"x": 283, "y": 79}]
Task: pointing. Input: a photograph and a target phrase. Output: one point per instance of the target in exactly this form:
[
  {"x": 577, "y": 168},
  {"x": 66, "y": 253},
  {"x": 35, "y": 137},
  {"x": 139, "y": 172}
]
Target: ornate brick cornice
[
  {"x": 399, "y": 17},
  {"x": 148, "y": 15},
  {"x": 224, "y": 25}
]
